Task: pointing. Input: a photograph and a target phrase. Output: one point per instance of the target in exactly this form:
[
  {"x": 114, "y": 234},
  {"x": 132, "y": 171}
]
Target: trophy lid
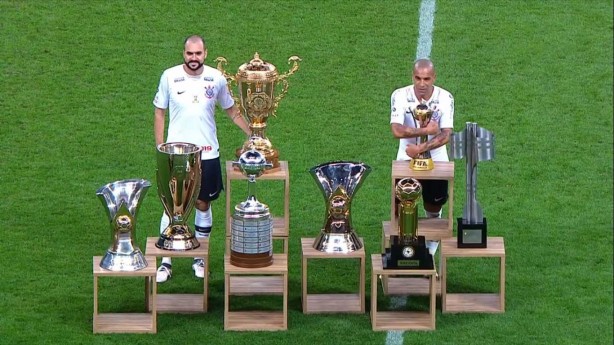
[{"x": 257, "y": 70}]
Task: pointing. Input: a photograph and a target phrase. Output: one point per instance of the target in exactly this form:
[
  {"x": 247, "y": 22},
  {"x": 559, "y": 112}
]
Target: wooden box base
[
  {"x": 178, "y": 302},
  {"x": 270, "y": 280},
  {"x": 473, "y": 302},
  {"x": 332, "y": 303},
  {"x": 126, "y": 322},
  {"x": 400, "y": 320}
]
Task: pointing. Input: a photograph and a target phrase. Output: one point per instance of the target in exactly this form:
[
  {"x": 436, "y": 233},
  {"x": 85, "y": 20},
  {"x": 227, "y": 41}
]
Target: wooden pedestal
[
  {"x": 473, "y": 302},
  {"x": 400, "y": 320},
  {"x": 126, "y": 322},
  {"x": 281, "y": 225},
  {"x": 176, "y": 302},
  {"x": 271, "y": 280},
  {"x": 336, "y": 302}
]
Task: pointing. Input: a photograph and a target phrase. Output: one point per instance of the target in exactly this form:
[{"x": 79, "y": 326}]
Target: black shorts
[
  {"x": 434, "y": 192},
  {"x": 211, "y": 184}
]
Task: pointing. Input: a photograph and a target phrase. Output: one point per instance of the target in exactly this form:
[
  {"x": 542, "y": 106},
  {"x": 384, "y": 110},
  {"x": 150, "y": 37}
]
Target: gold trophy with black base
[
  {"x": 408, "y": 250},
  {"x": 422, "y": 117}
]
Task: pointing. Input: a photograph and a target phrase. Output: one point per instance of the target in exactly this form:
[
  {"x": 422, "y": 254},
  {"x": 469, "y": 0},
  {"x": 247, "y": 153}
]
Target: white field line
[{"x": 425, "y": 43}]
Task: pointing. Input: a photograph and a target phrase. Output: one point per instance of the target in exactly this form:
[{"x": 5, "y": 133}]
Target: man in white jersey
[
  {"x": 190, "y": 92},
  {"x": 403, "y": 102}
]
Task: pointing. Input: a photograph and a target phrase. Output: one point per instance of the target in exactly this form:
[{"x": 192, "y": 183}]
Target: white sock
[
  {"x": 203, "y": 219},
  {"x": 164, "y": 222},
  {"x": 432, "y": 246},
  {"x": 433, "y": 214}
]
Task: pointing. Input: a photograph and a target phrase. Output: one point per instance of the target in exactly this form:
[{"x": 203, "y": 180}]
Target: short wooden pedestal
[
  {"x": 126, "y": 322},
  {"x": 280, "y": 224},
  {"x": 336, "y": 302},
  {"x": 176, "y": 302},
  {"x": 271, "y": 280},
  {"x": 473, "y": 302},
  {"x": 400, "y": 320}
]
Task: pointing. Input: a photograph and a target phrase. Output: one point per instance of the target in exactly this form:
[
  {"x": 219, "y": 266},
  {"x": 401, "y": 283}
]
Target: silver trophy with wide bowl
[
  {"x": 122, "y": 200},
  {"x": 338, "y": 182}
]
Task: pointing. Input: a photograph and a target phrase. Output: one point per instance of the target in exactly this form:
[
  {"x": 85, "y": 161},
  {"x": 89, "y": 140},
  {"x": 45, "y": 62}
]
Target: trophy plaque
[
  {"x": 256, "y": 81},
  {"x": 407, "y": 250},
  {"x": 178, "y": 174},
  {"x": 422, "y": 116},
  {"x": 251, "y": 236},
  {"x": 122, "y": 200},
  {"x": 475, "y": 144},
  {"x": 338, "y": 181}
]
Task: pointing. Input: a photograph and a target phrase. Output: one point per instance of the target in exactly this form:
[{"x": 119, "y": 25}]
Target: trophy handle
[
  {"x": 230, "y": 79},
  {"x": 294, "y": 60}
]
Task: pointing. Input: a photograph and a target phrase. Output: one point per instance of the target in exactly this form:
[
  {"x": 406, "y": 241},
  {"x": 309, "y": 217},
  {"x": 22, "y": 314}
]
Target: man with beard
[
  {"x": 190, "y": 92},
  {"x": 403, "y": 103}
]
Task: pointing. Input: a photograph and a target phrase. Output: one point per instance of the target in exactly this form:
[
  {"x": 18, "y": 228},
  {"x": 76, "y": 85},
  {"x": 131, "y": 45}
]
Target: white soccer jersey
[
  {"x": 191, "y": 102},
  {"x": 402, "y": 103}
]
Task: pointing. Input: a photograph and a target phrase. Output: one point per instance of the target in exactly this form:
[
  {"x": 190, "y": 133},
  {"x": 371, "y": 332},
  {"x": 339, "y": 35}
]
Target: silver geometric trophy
[
  {"x": 475, "y": 144},
  {"x": 338, "y": 181},
  {"x": 121, "y": 200},
  {"x": 178, "y": 175},
  {"x": 251, "y": 238}
]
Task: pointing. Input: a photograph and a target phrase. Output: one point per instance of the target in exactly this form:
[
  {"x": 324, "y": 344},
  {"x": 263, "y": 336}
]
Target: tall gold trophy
[
  {"x": 422, "y": 116},
  {"x": 408, "y": 250},
  {"x": 256, "y": 81}
]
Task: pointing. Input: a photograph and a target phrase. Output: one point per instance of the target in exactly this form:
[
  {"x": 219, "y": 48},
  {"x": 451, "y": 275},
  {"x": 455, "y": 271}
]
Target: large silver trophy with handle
[
  {"x": 338, "y": 181},
  {"x": 178, "y": 174},
  {"x": 251, "y": 238},
  {"x": 122, "y": 200},
  {"x": 475, "y": 144}
]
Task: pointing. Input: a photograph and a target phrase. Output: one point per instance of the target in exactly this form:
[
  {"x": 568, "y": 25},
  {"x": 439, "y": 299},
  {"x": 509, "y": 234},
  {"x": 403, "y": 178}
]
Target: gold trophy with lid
[{"x": 256, "y": 82}]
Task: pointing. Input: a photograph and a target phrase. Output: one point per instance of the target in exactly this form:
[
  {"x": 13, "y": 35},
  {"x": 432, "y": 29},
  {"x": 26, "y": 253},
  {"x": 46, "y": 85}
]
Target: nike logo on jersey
[
  {"x": 212, "y": 194},
  {"x": 180, "y": 92},
  {"x": 438, "y": 199}
]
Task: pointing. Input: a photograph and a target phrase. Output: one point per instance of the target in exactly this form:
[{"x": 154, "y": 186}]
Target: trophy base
[
  {"x": 123, "y": 262},
  {"x": 177, "y": 238},
  {"x": 471, "y": 235},
  {"x": 251, "y": 260},
  {"x": 337, "y": 242},
  {"x": 407, "y": 254},
  {"x": 421, "y": 164}
]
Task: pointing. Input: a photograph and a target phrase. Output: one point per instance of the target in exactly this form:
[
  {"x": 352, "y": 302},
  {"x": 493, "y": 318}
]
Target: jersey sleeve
[
  {"x": 223, "y": 97},
  {"x": 161, "y": 98},
  {"x": 446, "y": 107},
  {"x": 397, "y": 114}
]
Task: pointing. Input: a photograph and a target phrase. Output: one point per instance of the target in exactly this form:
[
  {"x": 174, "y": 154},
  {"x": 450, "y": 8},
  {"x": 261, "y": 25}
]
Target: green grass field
[{"x": 78, "y": 78}]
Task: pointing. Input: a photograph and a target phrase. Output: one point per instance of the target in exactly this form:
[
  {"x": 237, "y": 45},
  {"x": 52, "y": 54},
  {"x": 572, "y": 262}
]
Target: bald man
[
  {"x": 403, "y": 102},
  {"x": 189, "y": 93}
]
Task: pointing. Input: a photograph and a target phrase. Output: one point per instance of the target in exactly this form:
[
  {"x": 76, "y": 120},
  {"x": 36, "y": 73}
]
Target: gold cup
[
  {"x": 256, "y": 81},
  {"x": 422, "y": 116}
]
